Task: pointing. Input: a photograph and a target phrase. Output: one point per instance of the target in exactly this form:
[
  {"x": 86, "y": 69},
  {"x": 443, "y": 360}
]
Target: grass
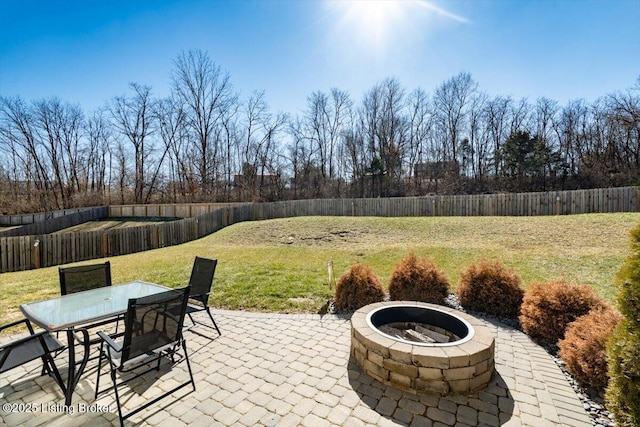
[{"x": 280, "y": 265}]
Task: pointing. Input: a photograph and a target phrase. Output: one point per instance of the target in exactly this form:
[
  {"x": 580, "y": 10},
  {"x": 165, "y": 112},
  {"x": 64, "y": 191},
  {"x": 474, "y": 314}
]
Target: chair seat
[
  {"x": 28, "y": 351},
  {"x": 152, "y": 339},
  {"x": 193, "y": 308}
]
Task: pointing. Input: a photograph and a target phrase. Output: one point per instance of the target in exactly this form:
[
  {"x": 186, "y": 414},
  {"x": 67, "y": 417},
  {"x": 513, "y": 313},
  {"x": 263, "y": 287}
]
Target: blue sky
[{"x": 87, "y": 51}]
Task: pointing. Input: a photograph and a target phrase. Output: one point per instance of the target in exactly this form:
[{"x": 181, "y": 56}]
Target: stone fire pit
[{"x": 397, "y": 343}]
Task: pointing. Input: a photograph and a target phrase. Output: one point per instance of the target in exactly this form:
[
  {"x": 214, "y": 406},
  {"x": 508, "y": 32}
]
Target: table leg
[{"x": 74, "y": 376}]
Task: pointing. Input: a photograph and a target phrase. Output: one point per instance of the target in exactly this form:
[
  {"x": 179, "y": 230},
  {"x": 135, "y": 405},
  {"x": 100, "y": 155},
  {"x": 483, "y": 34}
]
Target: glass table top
[{"x": 87, "y": 306}]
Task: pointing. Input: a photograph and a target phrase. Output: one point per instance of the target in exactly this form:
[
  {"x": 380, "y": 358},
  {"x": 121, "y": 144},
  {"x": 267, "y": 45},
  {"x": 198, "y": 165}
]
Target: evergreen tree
[{"x": 623, "y": 392}]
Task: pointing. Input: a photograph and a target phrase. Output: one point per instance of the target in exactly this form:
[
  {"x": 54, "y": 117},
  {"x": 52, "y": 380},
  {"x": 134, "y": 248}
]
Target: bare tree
[
  {"x": 133, "y": 120},
  {"x": 497, "y": 118},
  {"x": 48, "y": 123},
  {"x": 625, "y": 112},
  {"x": 300, "y": 159},
  {"x": 451, "y": 101},
  {"x": 356, "y": 156},
  {"x": 520, "y": 116},
  {"x": 20, "y": 131},
  {"x": 170, "y": 119},
  {"x": 420, "y": 132},
  {"x": 570, "y": 127},
  {"x": 208, "y": 97},
  {"x": 324, "y": 124},
  {"x": 384, "y": 127},
  {"x": 258, "y": 142},
  {"x": 59, "y": 127},
  {"x": 99, "y": 138}
]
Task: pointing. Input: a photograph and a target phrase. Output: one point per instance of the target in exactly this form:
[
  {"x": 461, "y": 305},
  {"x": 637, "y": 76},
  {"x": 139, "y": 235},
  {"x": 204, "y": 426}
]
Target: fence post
[
  {"x": 156, "y": 237},
  {"x": 36, "y": 253},
  {"x": 105, "y": 245}
]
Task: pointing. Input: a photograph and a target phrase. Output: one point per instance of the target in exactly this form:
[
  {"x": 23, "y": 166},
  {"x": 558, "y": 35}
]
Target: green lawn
[{"x": 280, "y": 265}]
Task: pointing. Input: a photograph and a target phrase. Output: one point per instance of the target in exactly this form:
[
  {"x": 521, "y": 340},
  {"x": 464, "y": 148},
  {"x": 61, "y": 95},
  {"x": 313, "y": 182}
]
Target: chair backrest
[
  {"x": 154, "y": 322},
  {"x": 84, "y": 277},
  {"x": 202, "y": 277}
]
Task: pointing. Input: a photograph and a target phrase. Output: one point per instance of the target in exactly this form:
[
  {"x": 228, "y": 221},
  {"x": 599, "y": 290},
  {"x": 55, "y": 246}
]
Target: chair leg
[
  {"x": 115, "y": 389},
  {"x": 193, "y": 322},
  {"x": 213, "y": 321},
  {"x": 186, "y": 356},
  {"x": 99, "y": 368},
  {"x": 50, "y": 367}
]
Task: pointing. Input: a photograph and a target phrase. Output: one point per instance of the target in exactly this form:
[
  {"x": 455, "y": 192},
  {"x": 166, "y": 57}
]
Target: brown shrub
[
  {"x": 584, "y": 347},
  {"x": 489, "y": 287},
  {"x": 358, "y": 287},
  {"x": 418, "y": 279},
  {"x": 548, "y": 308}
]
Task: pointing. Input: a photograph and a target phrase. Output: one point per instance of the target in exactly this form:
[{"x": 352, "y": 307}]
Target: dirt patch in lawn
[
  {"x": 113, "y": 223},
  {"x": 302, "y": 232}
]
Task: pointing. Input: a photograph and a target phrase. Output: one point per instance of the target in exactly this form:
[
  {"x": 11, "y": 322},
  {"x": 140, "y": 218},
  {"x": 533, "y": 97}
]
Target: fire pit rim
[{"x": 468, "y": 337}]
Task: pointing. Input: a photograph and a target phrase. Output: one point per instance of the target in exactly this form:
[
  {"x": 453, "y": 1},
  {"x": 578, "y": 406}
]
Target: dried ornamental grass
[
  {"x": 548, "y": 308},
  {"x": 418, "y": 279},
  {"x": 489, "y": 287},
  {"x": 584, "y": 347},
  {"x": 358, "y": 287}
]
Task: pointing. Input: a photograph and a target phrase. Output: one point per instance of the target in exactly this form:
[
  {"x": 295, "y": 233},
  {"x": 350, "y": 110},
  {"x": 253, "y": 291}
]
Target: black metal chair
[
  {"x": 200, "y": 283},
  {"x": 153, "y": 329},
  {"x": 84, "y": 278},
  {"x": 35, "y": 345}
]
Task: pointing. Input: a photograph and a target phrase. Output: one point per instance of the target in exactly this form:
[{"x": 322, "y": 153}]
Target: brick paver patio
[{"x": 294, "y": 370}]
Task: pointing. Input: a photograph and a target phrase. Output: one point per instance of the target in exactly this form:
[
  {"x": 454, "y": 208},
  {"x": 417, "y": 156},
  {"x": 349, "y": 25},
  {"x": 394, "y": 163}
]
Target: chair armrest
[
  {"x": 204, "y": 294},
  {"x": 19, "y": 341},
  {"x": 111, "y": 343},
  {"x": 202, "y": 298},
  {"x": 12, "y": 324}
]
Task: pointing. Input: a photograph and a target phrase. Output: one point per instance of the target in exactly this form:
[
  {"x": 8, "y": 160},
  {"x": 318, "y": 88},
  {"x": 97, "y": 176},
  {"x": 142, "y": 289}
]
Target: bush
[
  {"x": 358, "y": 287},
  {"x": 418, "y": 279},
  {"x": 489, "y": 287},
  {"x": 623, "y": 392},
  {"x": 548, "y": 308},
  {"x": 584, "y": 347}
]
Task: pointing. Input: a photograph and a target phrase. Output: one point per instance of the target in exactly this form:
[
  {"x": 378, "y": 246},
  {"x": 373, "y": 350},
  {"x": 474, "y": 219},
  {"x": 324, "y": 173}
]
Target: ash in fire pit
[
  {"x": 418, "y": 332},
  {"x": 422, "y": 348},
  {"x": 420, "y": 325}
]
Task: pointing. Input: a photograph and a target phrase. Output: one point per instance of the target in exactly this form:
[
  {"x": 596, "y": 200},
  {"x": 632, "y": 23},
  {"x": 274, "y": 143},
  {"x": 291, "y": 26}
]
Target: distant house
[
  {"x": 20, "y": 188},
  {"x": 186, "y": 188},
  {"x": 434, "y": 171},
  {"x": 245, "y": 181}
]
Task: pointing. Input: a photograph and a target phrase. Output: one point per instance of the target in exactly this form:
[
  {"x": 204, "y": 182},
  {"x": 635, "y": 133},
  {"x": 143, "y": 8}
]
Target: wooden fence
[
  {"x": 610, "y": 200},
  {"x": 190, "y": 210},
  {"x": 49, "y": 222},
  {"x": 43, "y": 250},
  {"x": 35, "y": 251},
  {"x": 10, "y": 220}
]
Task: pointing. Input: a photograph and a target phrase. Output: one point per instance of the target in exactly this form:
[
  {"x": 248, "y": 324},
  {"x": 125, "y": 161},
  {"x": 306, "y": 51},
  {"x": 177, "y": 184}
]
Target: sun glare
[
  {"x": 373, "y": 19},
  {"x": 376, "y": 25}
]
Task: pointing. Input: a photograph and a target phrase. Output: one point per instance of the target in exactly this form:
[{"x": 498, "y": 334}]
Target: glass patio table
[{"x": 73, "y": 311}]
